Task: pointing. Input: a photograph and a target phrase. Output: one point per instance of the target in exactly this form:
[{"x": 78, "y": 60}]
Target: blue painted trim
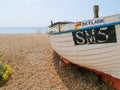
[{"x": 86, "y": 28}]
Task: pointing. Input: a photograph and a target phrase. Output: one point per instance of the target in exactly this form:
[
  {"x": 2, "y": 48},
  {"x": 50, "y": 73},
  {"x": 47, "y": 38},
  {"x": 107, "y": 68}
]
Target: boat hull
[
  {"x": 96, "y": 47},
  {"x": 102, "y": 57}
]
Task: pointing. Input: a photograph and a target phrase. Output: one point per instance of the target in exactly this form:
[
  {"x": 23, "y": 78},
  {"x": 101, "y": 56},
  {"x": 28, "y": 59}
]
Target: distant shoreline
[
  {"x": 15, "y": 30},
  {"x": 21, "y": 33}
]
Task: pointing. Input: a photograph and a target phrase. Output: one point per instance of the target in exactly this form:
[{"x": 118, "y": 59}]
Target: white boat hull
[{"x": 103, "y": 57}]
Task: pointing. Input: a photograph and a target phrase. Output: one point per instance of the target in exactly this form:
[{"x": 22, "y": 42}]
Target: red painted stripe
[{"x": 116, "y": 82}]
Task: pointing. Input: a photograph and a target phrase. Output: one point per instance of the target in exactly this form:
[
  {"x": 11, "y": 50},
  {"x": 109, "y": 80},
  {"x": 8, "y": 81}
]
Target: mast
[{"x": 96, "y": 11}]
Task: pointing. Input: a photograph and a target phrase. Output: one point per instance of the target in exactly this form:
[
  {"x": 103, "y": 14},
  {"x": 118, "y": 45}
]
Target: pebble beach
[{"x": 35, "y": 66}]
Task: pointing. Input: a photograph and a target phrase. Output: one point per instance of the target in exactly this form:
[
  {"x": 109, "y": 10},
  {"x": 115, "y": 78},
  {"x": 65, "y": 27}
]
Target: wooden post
[
  {"x": 51, "y": 23},
  {"x": 59, "y": 27},
  {"x": 96, "y": 11}
]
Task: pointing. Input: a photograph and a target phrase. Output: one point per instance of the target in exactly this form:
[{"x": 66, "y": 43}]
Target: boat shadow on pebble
[{"x": 78, "y": 78}]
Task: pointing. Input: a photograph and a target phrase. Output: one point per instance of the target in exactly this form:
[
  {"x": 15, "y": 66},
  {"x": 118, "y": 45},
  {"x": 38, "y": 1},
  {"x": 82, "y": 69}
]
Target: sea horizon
[{"x": 17, "y": 30}]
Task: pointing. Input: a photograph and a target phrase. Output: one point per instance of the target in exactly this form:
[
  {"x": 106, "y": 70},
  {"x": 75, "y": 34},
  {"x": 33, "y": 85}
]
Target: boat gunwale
[{"x": 86, "y": 28}]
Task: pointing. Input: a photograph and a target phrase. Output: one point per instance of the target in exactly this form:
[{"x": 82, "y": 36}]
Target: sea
[{"x": 15, "y": 30}]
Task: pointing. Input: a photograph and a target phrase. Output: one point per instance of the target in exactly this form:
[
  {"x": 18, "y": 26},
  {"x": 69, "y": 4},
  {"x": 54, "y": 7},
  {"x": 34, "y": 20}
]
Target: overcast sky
[{"x": 38, "y": 13}]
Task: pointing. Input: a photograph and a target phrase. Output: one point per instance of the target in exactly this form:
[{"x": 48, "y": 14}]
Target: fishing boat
[{"x": 93, "y": 44}]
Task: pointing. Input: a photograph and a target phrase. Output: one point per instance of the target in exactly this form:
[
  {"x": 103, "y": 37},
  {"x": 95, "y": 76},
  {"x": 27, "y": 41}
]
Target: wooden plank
[
  {"x": 63, "y": 44},
  {"x": 61, "y": 35},
  {"x": 95, "y": 57},
  {"x": 63, "y": 39},
  {"x": 87, "y": 47},
  {"x": 91, "y": 52}
]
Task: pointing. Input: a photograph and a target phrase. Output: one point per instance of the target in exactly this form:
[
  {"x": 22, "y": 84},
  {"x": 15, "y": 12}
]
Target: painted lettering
[
  {"x": 93, "y": 22},
  {"x": 103, "y": 35},
  {"x": 80, "y": 37},
  {"x": 90, "y": 37},
  {"x": 95, "y": 36}
]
